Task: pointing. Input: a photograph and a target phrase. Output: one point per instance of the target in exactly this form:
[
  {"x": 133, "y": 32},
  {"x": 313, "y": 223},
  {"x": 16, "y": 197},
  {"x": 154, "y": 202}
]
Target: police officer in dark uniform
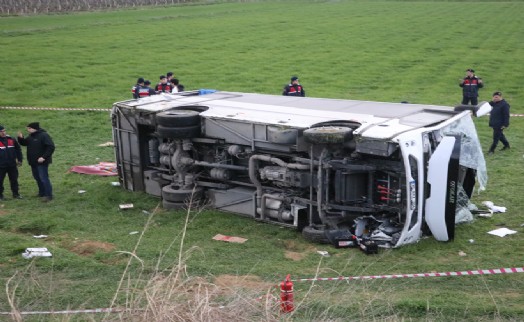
[
  {"x": 470, "y": 87},
  {"x": 294, "y": 88},
  {"x": 163, "y": 86},
  {"x": 136, "y": 87},
  {"x": 146, "y": 90},
  {"x": 10, "y": 160}
]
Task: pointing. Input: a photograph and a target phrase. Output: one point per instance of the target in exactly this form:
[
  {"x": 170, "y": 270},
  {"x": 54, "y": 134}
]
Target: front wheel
[{"x": 315, "y": 235}]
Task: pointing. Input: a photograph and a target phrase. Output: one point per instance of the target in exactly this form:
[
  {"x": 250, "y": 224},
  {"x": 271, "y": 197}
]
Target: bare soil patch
[{"x": 89, "y": 247}]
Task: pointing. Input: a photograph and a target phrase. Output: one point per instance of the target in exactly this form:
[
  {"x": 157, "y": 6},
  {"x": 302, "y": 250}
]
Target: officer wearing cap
[
  {"x": 10, "y": 160},
  {"x": 146, "y": 90},
  {"x": 163, "y": 86},
  {"x": 294, "y": 88},
  {"x": 135, "y": 89},
  {"x": 470, "y": 87},
  {"x": 498, "y": 121}
]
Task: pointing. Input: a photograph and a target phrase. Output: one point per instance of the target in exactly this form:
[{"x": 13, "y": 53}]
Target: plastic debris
[
  {"x": 502, "y": 232},
  {"x": 471, "y": 241},
  {"x": 40, "y": 236},
  {"x": 494, "y": 208},
  {"x": 81, "y": 191},
  {"x": 36, "y": 252},
  {"x": 126, "y": 206},
  {"x": 323, "y": 253},
  {"x": 462, "y": 254},
  {"x": 231, "y": 239},
  {"x": 133, "y": 232},
  {"x": 115, "y": 184}
]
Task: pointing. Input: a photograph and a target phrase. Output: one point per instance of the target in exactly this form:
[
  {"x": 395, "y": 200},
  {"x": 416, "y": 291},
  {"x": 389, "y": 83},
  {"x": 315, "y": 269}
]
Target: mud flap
[{"x": 443, "y": 174}]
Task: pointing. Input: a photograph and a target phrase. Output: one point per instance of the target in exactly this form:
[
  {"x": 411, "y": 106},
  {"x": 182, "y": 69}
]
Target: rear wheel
[
  {"x": 179, "y": 132},
  {"x": 173, "y": 205},
  {"x": 181, "y": 195},
  {"x": 178, "y": 118}
]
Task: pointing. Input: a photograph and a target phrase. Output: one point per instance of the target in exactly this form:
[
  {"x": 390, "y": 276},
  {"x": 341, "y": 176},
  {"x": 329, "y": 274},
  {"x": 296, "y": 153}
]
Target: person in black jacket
[
  {"x": 177, "y": 87},
  {"x": 40, "y": 148},
  {"x": 294, "y": 88},
  {"x": 470, "y": 87},
  {"x": 10, "y": 159},
  {"x": 498, "y": 121}
]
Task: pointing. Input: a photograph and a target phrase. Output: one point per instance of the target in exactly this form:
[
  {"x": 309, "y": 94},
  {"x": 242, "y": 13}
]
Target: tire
[
  {"x": 179, "y": 132},
  {"x": 328, "y": 134},
  {"x": 314, "y": 235},
  {"x": 173, "y": 205},
  {"x": 181, "y": 195},
  {"x": 178, "y": 118}
]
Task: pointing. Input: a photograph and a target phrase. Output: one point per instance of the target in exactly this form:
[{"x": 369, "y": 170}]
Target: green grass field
[{"x": 380, "y": 50}]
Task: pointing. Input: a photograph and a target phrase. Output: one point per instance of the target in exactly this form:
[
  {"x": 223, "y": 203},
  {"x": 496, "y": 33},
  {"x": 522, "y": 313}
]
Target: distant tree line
[{"x": 20, "y": 7}]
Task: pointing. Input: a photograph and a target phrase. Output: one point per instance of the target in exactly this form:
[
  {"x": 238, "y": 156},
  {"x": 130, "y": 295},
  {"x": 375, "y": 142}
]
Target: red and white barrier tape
[
  {"x": 340, "y": 278},
  {"x": 67, "y": 311},
  {"x": 444, "y": 274},
  {"x": 54, "y": 108}
]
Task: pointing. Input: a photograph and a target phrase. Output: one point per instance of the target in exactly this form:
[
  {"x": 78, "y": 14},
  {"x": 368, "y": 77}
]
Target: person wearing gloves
[
  {"x": 40, "y": 148},
  {"x": 10, "y": 159}
]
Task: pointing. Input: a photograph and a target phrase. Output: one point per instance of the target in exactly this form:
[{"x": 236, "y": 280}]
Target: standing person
[
  {"x": 136, "y": 87},
  {"x": 40, "y": 148},
  {"x": 146, "y": 90},
  {"x": 10, "y": 159},
  {"x": 163, "y": 86},
  {"x": 169, "y": 77},
  {"x": 498, "y": 121},
  {"x": 294, "y": 88},
  {"x": 470, "y": 87},
  {"x": 177, "y": 87}
]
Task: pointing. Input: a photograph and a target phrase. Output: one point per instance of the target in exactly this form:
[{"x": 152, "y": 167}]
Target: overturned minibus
[{"x": 340, "y": 171}]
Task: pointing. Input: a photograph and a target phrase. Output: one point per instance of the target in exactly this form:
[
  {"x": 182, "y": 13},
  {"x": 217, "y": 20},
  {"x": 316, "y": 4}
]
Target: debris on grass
[
  {"x": 230, "y": 239},
  {"x": 81, "y": 191},
  {"x": 109, "y": 143},
  {"x": 115, "y": 184},
  {"x": 133, "y": 232},
  {"x": 40, "y": 236},
  {"x": 36, "y": 252},
  {"x": 125, "y": 206},
  {"x": 502, "y": 232},
  {"x": 492, "y": 206},
  {"x": 462, "y": 254},
  {"x": 323, "y": 253}
]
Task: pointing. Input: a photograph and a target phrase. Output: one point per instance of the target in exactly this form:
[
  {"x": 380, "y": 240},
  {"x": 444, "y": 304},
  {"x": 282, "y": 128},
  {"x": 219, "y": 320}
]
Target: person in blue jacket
[{"x": 499, "y": 121}]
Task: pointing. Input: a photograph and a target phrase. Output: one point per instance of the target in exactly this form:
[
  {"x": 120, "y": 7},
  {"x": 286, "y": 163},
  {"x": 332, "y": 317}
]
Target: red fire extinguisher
[{"x": 286, "y": 295}]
